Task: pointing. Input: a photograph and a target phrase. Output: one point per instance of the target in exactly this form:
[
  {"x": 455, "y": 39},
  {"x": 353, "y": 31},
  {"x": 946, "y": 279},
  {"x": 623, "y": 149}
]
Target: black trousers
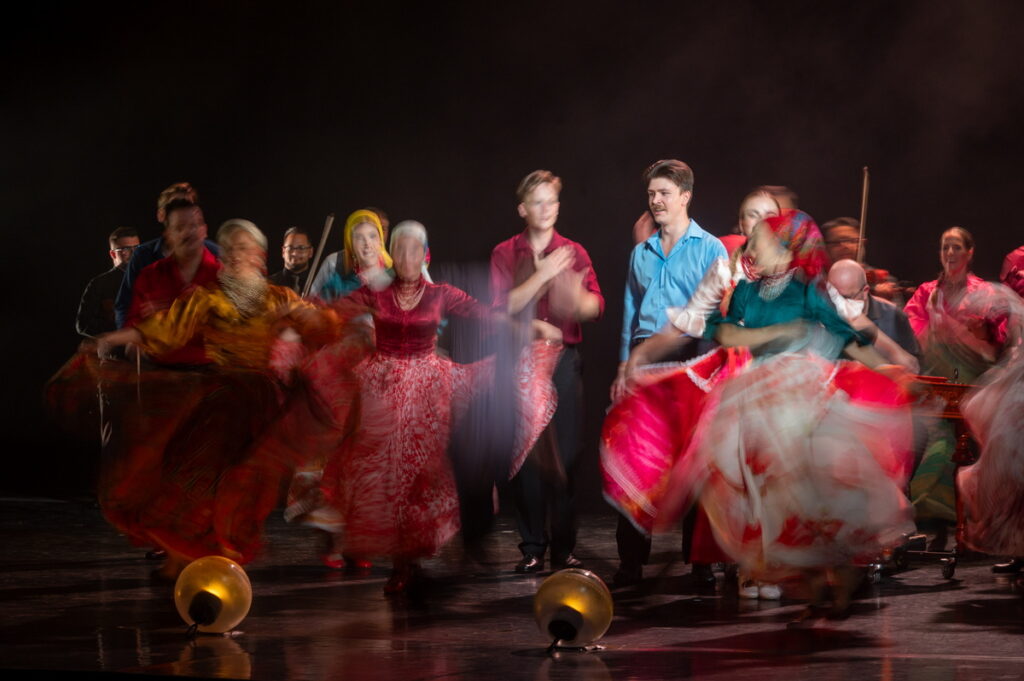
[
  {"x": 634, "y": 547},
  {"x": 544, "y": 488},
  {"x": 482, "y": 443}
]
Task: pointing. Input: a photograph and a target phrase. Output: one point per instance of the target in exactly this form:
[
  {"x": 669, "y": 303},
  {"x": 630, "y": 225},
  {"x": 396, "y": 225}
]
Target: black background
[{"x": 283, "y": 112}]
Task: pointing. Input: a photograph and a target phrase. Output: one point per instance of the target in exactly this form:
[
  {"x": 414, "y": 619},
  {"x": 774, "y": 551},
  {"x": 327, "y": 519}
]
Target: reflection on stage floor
[{"x": 76, "y": 596}]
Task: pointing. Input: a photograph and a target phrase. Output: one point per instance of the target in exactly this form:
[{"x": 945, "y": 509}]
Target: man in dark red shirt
[
  {"x": 540, "y": 275},
  {"x": 189, "y": 266}
]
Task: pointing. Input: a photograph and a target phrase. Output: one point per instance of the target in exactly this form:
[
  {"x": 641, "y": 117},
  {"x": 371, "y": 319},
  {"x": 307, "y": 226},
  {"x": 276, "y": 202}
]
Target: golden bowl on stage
[
  {"x": 573, "y": 606},
  {"x": 213, "y": 594}
]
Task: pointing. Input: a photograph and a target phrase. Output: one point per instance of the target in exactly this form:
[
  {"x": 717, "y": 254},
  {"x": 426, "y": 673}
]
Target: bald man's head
[{"x": 848, "y": 278}]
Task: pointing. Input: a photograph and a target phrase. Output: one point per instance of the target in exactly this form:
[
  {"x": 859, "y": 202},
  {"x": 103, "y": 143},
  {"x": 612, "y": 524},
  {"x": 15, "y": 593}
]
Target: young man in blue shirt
[{"x": 664, "y": 271}]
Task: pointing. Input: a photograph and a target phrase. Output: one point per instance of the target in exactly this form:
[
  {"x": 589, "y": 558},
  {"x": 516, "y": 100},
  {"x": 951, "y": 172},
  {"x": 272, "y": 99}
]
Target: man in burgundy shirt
[
  {"x": 189, "y": 266},
  {"x": 540, "y": 275}
]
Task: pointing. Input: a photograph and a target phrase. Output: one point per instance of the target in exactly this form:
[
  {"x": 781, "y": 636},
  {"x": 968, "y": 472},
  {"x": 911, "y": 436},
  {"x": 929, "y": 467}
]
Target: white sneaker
[
  {"x": 769, "y": 592},
  {"x": 748, "y": 589}
]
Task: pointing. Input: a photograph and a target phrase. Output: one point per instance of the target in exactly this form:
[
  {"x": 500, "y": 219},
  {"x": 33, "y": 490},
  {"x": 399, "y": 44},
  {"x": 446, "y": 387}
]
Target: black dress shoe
[
  {"x": 1010, "y": 567},
  {"x": 702, "y": 575},
  {"x": 570, "y": 561},
  {"x": 530, "y": 563},
  {"x": 628, "y": 575}
]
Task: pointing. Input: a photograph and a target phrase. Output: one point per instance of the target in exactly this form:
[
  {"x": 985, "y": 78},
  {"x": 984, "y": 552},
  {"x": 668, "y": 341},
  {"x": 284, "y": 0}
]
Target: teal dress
[
  {"x": 796, "y": 301},
  {"x": 339, "y": 286},
  {"x": 787, "y": 472}
]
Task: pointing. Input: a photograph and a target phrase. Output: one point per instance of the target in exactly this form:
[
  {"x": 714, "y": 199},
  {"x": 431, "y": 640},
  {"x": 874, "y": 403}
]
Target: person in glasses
[
  {"x": 297, "y": 252},
  {"x": 842, "y": 238},
  {"x": 96, "y": 309}
]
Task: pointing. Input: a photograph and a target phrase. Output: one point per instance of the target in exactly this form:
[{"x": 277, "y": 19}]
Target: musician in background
[
  {"x": 96, "y": 310},
  {"x": 842, "y": 240},
  {"x": 893, "y": 338},
  {"x": 297, "y": 252}
]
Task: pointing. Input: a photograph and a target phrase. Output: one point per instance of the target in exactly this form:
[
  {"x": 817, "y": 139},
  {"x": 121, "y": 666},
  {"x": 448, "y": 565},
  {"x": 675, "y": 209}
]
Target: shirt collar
[
  {"x": 522, "y": 241},
  {"x": 693, "y": 231}
]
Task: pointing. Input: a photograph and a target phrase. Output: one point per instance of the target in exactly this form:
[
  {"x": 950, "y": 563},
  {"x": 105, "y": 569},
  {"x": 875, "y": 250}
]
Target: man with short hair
[
  {"x": 664, "y": 270},
  {"x": 842, "y": 241},
  {"x": 96, "y": 309},
  {"x": 188, "y": 266},
  {"x": 540, "y": 275},
  {"x": 297, "y": 251},
  {"x": 151, "y": 251},
  {"x": 848, "y": 288}
]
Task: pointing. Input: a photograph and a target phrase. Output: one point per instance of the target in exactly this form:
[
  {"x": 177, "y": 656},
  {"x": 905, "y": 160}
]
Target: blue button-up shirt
[{"x": 657, "y": 281}]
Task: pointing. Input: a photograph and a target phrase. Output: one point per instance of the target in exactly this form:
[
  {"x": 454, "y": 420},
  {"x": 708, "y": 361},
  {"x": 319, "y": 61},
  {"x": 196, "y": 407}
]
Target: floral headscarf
[{"x": 799, "y": 234}]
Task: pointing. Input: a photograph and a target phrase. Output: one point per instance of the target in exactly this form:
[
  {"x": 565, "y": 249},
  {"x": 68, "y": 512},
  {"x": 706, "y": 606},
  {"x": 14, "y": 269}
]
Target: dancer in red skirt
[
  {"x": 178, "y": 471},
  {"x": 391, "y": 483}
]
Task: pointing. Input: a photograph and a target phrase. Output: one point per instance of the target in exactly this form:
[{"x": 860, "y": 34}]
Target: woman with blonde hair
[{"x": 365, "y": 259}]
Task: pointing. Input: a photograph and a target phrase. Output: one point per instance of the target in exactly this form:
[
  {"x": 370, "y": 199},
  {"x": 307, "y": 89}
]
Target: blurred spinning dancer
[
  {"x": 328, "y": 379},
  {"x": 797, "y": 461},
  {"x": 992, "y": 490},
  {"x": 960, "y": 339},
  {"x": 391, "y": 483},
  {"x": 962, "y": 332},
  {"x": 805, "y": 458},
  {"x": 179, "y": 474},
  {"x": 1012, "y": 272},
  {"x": 670, "y": 402}
]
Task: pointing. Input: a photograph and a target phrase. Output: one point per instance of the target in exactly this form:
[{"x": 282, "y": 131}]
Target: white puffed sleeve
[{"x": 717, "y": 280}]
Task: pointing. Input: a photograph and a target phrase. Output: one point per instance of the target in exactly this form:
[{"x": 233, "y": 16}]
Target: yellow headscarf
[{"x": 357, "y": 218}]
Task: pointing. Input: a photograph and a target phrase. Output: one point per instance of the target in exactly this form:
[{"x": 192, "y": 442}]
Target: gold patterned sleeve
[
  {"x": 316, "y": 324},
  {"x": 172, "y": 328}
]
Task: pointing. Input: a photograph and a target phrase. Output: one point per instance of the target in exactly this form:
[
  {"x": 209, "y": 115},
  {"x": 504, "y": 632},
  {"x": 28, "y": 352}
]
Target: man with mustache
[
  {"x": 664, "y": 270},
  {"x": 189, "y": 265}
]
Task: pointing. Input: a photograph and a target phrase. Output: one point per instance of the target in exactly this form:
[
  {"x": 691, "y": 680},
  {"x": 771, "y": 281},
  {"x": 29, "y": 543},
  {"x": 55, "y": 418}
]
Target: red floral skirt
[{"x": 390, "y": 483}]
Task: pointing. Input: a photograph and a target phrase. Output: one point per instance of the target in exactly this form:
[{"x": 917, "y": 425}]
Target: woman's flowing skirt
[
  {"x": 390, "y": 483},
  {"x": 803, "y": 464},
  {"x": 992, "y": 490},
  {"x": 646, "y": 433},
  {"x": 179, "y": 468}
]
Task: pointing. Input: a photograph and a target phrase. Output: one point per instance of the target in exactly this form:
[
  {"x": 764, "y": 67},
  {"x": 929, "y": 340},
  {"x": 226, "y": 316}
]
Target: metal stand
[{"x": 965, "y": 453}]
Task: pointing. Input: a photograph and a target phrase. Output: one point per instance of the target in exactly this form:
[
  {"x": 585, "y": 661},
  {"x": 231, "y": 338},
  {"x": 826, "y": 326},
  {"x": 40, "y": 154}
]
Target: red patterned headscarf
[{"x": 799, "y": 234}]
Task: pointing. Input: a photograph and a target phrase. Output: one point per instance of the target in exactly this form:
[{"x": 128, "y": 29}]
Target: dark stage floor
[{"x": 75, "y": 596}]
